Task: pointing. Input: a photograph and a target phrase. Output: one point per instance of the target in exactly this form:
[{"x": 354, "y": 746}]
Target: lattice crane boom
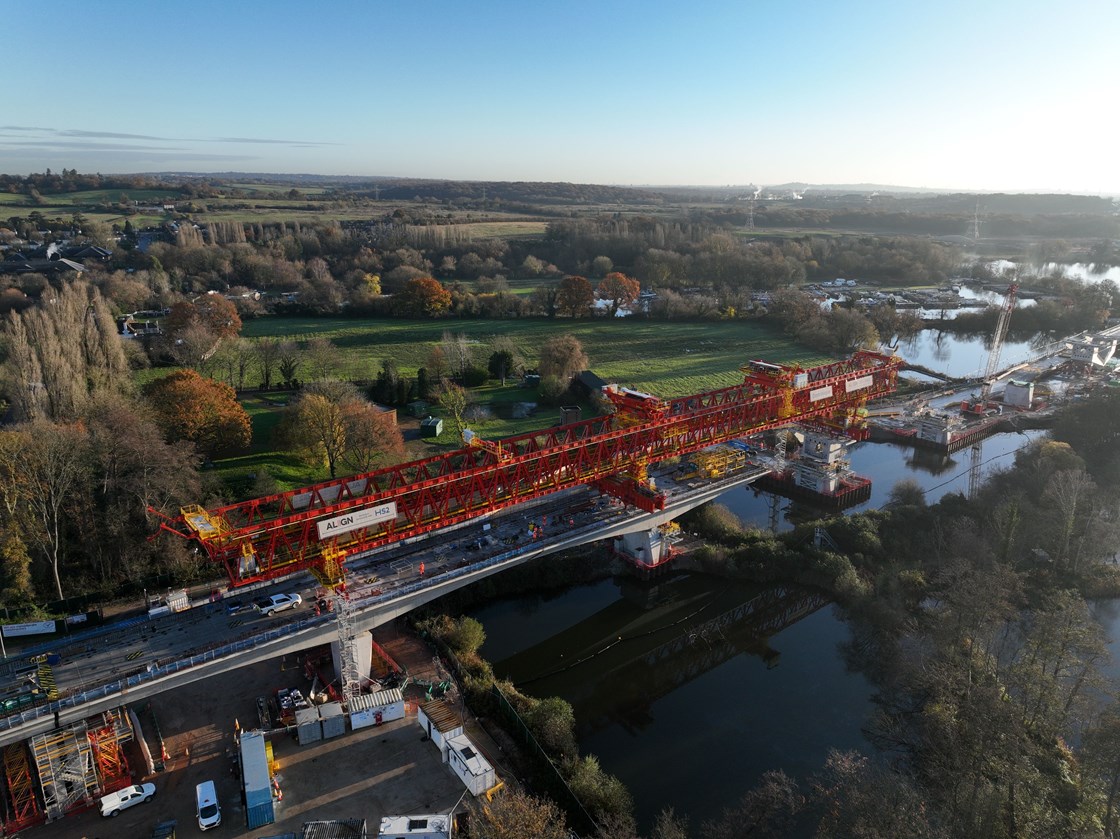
[
  {"x": 1003, "y": 322},
  {"x": 279, "y": 534}
]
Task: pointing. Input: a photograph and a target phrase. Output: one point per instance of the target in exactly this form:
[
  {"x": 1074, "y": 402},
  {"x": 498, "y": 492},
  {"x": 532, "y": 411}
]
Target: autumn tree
[
  {"x": 619, "y": 290},
  {"x": 218, "y": 315},
  {"x": 62, "y": 352},
  {"x": 373, "y": 438},
  {"x": 422, "y": 297},
  {"x": 575, "y": 296},
  {"x": 193, "y": 331},
  {"x": 516, "y": 815},
  {"x": 203, "y": 411},
  {"x": 331, "y": 424},
  {"x": 563, "y": 358}
]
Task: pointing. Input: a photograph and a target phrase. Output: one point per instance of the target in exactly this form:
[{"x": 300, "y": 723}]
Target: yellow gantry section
[
  {"x": 330, "y": 571},
  {"x": 205, "y": 525}
]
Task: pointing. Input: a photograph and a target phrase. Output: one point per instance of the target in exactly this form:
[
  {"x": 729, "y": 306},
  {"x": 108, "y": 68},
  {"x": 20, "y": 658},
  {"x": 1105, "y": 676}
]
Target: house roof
[
  {"x": 589, "y": 380},
  {"x": 40, "y": 266}
]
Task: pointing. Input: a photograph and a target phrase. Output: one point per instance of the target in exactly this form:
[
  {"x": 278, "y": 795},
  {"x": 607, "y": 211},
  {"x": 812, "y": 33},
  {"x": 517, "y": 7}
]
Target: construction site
[
  {"x": 286, "y": 761},
  {"x": 791, "y": 426}
]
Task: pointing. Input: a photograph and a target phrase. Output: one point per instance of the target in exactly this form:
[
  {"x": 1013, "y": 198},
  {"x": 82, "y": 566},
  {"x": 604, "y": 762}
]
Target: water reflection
[
  {"x": 674, "y": 679},
  {"x": 887, "y": 464},
  {"x": 961, "y": 356},
  {"x": 658, "y": 636}
]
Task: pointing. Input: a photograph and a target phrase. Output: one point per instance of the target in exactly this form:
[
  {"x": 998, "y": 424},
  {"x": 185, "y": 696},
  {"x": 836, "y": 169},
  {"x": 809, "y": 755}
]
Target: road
[{"x": 141, "y": 657}]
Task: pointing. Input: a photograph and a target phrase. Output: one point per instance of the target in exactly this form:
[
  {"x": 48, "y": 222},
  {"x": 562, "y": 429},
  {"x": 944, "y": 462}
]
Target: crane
[
  {"x": 315, "y": 528},
  {"x": 980, "y": 406}
]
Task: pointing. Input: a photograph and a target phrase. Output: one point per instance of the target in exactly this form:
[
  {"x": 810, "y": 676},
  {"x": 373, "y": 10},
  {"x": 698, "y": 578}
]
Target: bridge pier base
[
  {"x": 649, "y": 548},
  {"x": 362, "y": 645}
]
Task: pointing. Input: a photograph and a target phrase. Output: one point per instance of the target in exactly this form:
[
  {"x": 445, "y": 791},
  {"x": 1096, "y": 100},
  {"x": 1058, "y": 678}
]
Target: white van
[{"x": 206, "y": 799}]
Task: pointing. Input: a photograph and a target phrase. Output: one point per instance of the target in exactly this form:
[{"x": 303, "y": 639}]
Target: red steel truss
[
  {"x": 267, "y": 537},
  {"x": 23, "y": 810}
]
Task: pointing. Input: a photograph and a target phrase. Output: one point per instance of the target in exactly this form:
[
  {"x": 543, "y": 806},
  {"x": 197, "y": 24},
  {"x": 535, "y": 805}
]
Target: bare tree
[
  {"x": 268, "y": 356},
  {"x": 455, "y": 400},
  {"x": 457, "y": 349},
  {"x": 61, "y": 352},
  {"x": 323, "y": 359},
  {"x": 55, "y": 465}
]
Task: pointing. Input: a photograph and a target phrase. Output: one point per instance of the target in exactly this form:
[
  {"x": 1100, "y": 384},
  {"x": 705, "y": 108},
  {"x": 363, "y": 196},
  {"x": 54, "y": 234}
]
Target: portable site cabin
[
  {"x": 333, "y": 718},
  {"x": 308, "y": 728},
  {"x": 376, "y": 708},
  {"x": 431, "y": 427},
  {"x": 415, "y": 827},
  {"x": 472, "y": 768},
  {"x": 439, "y": 722},
  {"x": 258, "y": 784}
]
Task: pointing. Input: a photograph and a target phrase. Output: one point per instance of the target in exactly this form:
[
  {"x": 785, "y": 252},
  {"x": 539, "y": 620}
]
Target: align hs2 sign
[{"x": 356, "y": 520}]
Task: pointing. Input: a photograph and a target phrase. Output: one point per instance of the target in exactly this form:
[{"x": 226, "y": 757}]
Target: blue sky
[{"x": 984, "y": 94}]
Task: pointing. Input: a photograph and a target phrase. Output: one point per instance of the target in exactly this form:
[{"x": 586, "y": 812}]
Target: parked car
[
  {"x": 122, "y": 799},
  {"x": 206, "y": 801},
  {"x": 277, "y": 603}
]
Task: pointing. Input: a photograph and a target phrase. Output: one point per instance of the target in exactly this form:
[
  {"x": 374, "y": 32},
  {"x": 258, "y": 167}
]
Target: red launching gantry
[{"x": 316, "y": 528}]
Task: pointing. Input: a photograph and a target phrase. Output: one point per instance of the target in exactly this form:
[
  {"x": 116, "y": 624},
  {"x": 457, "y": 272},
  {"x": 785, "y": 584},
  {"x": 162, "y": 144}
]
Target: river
[{"x": 688, "y": 711}]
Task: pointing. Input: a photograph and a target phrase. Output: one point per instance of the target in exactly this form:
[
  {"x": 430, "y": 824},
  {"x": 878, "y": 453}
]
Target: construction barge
[
  {"x": 939, "y": 432},
  {"x": 819, "y": 474}
]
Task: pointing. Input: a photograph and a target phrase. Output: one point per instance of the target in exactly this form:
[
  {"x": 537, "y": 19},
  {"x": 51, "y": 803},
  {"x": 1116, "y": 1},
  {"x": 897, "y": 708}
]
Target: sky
[{"x": 987, "y": 95}]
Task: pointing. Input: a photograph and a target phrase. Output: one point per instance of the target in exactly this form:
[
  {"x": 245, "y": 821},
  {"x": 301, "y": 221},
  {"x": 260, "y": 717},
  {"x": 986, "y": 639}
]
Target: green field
[{"x": 668, "y": 359}]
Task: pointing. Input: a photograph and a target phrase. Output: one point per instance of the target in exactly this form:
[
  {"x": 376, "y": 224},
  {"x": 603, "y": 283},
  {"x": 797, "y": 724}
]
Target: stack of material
[{"x": 290, "y": 701}]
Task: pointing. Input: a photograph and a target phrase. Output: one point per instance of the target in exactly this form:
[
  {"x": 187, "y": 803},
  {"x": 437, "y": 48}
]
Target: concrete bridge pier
[
  {"x": 651, "y": 546},
  {"x": 361, "y": 651}
]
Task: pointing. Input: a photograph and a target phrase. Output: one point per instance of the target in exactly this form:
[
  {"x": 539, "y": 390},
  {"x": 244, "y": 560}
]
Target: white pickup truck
[{"x": 277, "y": 603}]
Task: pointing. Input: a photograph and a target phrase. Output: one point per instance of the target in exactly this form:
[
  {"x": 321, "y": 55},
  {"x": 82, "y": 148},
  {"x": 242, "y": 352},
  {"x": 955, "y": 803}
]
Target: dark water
[
  {"x": 689, "y": 706},
  {"x": 688, "y": 689}
]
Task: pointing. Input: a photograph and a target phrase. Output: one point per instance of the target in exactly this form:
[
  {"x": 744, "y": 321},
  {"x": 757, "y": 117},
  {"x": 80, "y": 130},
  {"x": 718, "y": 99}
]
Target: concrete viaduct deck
[{"x": 369, "y": 610}]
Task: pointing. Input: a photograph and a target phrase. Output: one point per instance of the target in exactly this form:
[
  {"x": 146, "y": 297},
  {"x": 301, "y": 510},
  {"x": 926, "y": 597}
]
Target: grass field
[{"x": 668, "y": 359}]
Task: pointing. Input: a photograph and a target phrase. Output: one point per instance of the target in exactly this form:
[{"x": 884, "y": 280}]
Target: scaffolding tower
[
  {"x": 107, "y": 743},
  {"x": 25, "y": 810},
  {"x": 66, "y": 769},
  {"x": 350, "y": 677}
]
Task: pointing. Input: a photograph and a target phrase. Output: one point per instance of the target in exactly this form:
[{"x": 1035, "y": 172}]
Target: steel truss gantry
[{"x": 278, "y": 534}]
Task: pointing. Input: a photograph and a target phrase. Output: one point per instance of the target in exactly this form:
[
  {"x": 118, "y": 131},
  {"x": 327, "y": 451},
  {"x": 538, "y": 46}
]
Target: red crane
[{"x": 316, "y": 527}]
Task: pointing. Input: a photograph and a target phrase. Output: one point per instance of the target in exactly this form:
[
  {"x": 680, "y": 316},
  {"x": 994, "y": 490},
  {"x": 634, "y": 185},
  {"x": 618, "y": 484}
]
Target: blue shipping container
[{"x": 254, "y": 772}]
